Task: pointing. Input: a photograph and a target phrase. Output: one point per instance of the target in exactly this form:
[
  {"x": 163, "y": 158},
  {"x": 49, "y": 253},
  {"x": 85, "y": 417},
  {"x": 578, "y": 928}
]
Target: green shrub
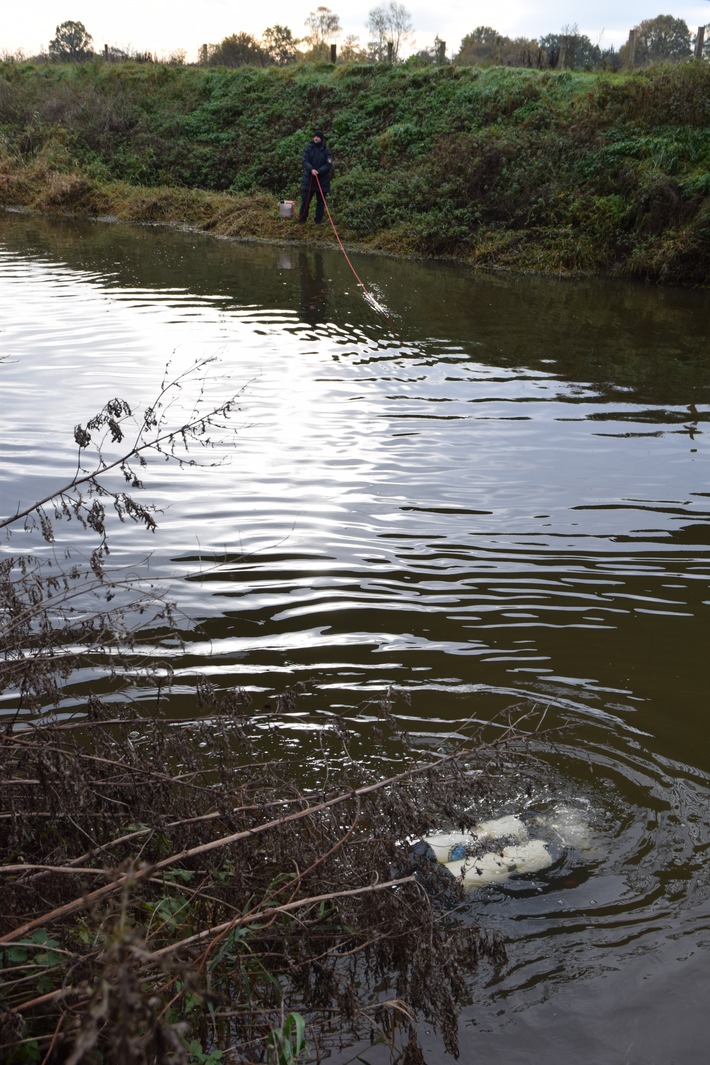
[{"x": 428, "y": 150}]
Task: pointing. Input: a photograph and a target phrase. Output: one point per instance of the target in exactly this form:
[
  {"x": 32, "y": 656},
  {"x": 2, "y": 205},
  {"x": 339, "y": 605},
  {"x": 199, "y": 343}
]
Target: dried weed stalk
[
  {"x": 152, "y": 897},
  {"x": 60, "y": 608},
  {"x": 168, "y": 891}
]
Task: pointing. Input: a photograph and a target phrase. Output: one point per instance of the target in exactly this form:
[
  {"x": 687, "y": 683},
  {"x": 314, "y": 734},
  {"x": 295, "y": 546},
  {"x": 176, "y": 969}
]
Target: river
[{"x": 496, "y": 492}]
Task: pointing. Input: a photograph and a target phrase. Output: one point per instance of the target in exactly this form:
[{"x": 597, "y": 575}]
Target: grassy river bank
[
  {"x": 159, "y": 907},
  {"x": 502, "y": 168}
]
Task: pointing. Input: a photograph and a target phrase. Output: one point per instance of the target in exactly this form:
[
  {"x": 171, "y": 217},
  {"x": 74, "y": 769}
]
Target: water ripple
[{"x": 507, "y": 503}]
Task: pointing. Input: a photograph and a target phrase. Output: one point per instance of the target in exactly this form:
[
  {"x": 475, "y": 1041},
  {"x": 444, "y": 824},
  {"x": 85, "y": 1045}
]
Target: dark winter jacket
[{"x": 317, "y": 157}]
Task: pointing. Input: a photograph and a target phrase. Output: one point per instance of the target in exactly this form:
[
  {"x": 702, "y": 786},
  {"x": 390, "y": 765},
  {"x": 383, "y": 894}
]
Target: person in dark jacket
[{"x": 317, "y": 169}]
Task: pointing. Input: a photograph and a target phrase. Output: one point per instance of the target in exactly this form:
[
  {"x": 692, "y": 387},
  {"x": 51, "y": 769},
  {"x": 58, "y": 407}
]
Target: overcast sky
[{"x": 164, "y": 26}]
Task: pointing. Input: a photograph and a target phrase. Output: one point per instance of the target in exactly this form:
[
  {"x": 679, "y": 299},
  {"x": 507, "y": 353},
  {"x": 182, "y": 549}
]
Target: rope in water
[{"x": 366, "y": 292}]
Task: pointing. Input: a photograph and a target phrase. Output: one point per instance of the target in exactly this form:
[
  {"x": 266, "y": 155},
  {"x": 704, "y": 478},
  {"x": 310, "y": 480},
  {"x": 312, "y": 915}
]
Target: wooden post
[
  {"x": 390, "y": 52},
  {"x": 106, "y": 52},
  {"x": 700, "y": 41},
  {"x": 203, "y": 55},
  {"x": 333, "y": 52},
  {"x": 441, "y": 52},
  {"x": 562, "y": 61},
  {"x": 632, "y": 47}
]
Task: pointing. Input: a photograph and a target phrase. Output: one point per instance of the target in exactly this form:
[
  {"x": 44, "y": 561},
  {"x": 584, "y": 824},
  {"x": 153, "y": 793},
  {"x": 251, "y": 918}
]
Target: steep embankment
[{"x": 505, "y": 168}]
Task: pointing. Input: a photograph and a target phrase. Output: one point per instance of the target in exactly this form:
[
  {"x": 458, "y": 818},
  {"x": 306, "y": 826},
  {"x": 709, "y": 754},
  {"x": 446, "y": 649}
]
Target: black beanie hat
[{"x": 318, "y": 133}]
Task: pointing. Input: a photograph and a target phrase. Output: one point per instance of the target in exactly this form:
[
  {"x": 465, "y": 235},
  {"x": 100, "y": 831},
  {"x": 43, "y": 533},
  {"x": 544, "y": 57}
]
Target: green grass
[{"x": 594, "y": 171}]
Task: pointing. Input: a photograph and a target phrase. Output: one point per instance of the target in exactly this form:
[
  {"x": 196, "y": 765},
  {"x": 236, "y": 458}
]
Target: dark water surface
[{"x": 500, "y": 492}]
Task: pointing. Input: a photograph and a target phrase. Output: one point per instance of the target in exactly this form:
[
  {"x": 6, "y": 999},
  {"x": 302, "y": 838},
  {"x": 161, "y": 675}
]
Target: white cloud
[{"x": 162, "y": 26}]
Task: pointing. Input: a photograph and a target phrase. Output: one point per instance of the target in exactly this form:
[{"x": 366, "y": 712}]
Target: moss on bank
[{"x": 503, "y": 168}]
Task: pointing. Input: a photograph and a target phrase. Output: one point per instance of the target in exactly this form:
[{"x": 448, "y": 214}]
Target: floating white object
[
  {"x": 445, "y": 843},
  {"x": 496, "y": 866},
  {"x": 509, "y": 852},
  {"x": 502, "y": 828},
  {"x": 449, "y": 846}
]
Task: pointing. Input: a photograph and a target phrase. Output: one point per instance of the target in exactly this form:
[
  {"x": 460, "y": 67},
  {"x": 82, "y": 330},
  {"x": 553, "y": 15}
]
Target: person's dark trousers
[{"x": 306, "y": 197}]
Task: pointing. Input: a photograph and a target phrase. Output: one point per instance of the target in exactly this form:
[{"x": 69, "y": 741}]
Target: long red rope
[
  {"x": 337, "y": 237},
  {"x": 368, "y": 295}
]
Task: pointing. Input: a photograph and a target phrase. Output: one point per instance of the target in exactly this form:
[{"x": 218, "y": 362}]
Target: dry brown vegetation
[
  {"x": 172, "y": 891},
  {"x": 156, "y": 899}
]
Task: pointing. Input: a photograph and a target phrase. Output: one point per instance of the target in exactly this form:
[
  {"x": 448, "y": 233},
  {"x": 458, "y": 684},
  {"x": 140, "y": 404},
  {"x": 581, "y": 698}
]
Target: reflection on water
[
  {"x": 509, "y": 500},
  {"x": 314, "y": 287}
]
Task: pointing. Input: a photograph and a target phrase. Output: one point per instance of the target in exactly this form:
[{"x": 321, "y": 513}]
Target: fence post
[
  {"x": 632, "y": 47},
  {"x": 390, "y": 52},
  {"x": 700, "y": 41},
  {"x": 441, "y": 51},
  {"x": 333, "y": 52}
]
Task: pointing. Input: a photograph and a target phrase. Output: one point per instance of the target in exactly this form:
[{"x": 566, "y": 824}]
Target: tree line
[
  {"x": 663, "y": 39},
  {"x": 390, "y": 27}
]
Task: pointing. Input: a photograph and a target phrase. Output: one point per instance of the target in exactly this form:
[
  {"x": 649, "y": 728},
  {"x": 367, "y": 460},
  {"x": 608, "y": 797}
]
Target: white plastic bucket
[{"x": 286, "y": 208}]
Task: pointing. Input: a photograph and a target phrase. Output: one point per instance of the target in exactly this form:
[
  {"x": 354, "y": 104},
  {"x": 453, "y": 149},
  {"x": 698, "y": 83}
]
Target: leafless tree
[
  {"x": 323, "y": 27},
  {"x": 389, "y": 24}
]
